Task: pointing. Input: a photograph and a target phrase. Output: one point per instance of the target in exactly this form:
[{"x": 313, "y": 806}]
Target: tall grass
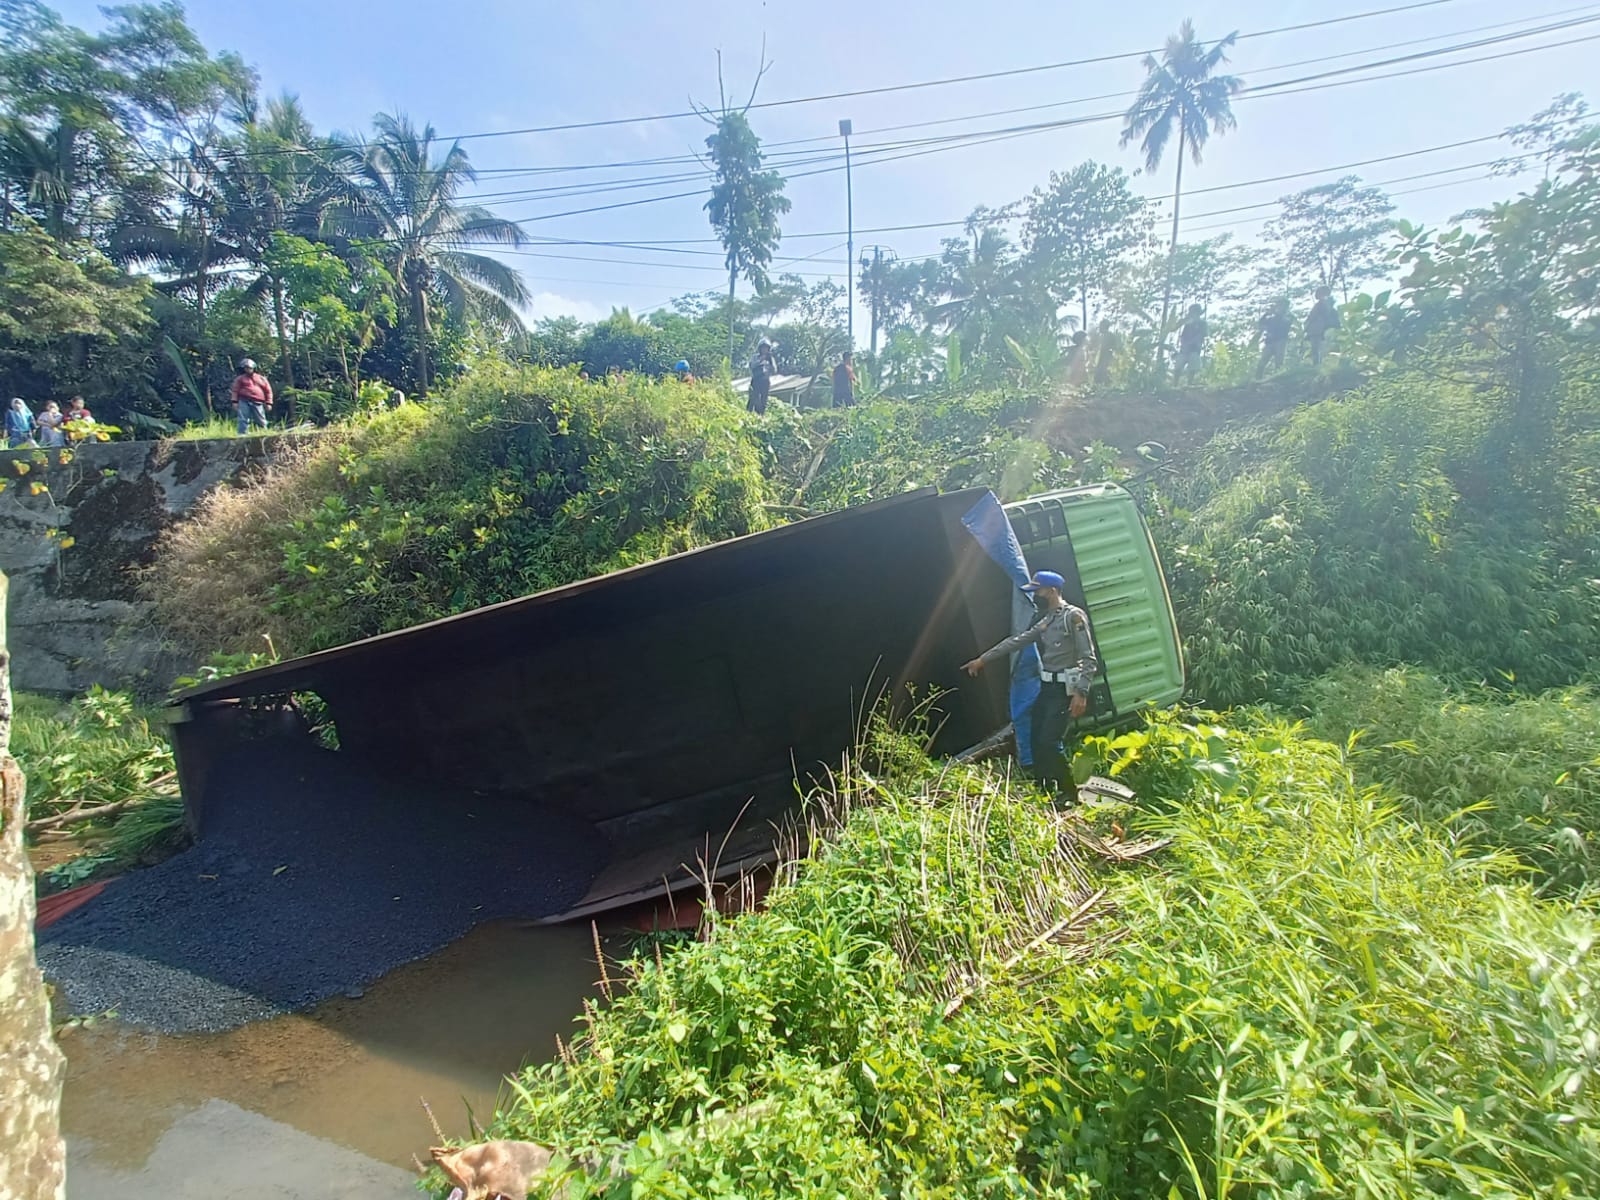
[
  {"x": 1309, "y": 996},
  {"x": 213, "y": 428},
  {"x": 1523, "y": 775},
  {"x": 1379, "y": 530}
]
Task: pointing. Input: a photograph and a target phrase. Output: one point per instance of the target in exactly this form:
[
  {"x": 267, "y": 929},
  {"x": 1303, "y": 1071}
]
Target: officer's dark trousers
[{"x": 1049, "y": 719}]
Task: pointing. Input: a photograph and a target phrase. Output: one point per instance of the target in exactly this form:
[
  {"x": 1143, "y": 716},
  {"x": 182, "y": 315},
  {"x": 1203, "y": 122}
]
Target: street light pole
[{"x": 850, "y": 236}]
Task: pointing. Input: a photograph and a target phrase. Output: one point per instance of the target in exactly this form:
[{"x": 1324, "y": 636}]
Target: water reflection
[{"x": 314, "y": 1104}]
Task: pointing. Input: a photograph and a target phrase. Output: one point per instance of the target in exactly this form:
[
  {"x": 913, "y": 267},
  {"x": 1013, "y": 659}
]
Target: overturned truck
[{"x": 672, "y": 707}]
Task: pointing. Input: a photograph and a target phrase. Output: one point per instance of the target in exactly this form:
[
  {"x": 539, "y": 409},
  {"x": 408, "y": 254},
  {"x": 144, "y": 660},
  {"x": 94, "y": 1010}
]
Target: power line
[
  {"x": 936, "y": 145},
  {"x": 1251, "y": 71},
  {"x": 931, "y": 83},
  {"x": 1432, "y": 187},
  {"x": 902, "y": 87},
  {"x": 985, "y": 137},
  {"x": 679, "y": 245},
  {"x": 894, "y": 151}
]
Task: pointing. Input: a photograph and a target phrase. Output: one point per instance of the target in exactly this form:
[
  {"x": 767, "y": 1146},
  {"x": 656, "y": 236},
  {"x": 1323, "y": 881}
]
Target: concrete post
[{"x": 32, "y": 1157}]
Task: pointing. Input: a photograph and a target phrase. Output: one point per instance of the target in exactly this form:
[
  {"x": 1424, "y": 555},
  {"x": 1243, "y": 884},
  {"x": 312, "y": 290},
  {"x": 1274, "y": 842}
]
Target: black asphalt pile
[{"x": 313, "y": 878}]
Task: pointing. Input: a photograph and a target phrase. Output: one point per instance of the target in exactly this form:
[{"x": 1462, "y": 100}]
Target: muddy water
[{"x": 326, "y": 1103}]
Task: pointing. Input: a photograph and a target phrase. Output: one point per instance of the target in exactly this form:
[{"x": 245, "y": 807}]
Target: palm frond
[
  {"x": 464, "y": 299},
  {"x": 480, "y": 225},
  {"x": 485, "y": 272}
]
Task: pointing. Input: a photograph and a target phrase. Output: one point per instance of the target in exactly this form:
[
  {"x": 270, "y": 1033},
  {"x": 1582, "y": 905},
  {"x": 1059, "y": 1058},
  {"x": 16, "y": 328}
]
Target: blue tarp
[{"x": 986, "y": 521}]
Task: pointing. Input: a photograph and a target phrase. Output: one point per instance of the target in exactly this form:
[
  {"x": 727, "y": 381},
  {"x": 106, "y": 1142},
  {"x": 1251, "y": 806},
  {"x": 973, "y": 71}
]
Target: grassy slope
[
  {"x": 1516, "y": 774},
  {"x": 1307, "y": 995}
]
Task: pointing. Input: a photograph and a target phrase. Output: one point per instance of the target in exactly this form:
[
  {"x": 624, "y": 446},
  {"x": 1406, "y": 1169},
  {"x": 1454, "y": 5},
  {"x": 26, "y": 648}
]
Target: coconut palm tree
[
  {"x": 1182, "y": 89},
  {"x": 990, "y": 294},
  {"x": 406, "y": 201},
  {"x": 274, "y": 175},
  {"x": 38, "y": 170}
]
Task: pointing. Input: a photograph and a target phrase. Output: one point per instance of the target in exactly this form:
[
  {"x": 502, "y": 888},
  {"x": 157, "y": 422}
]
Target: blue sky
[{"x": 487, "y": 65}]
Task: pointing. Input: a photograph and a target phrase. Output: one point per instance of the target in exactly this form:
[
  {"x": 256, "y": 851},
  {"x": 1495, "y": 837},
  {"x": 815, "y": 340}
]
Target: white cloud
[{"x": 551, "y": 304}]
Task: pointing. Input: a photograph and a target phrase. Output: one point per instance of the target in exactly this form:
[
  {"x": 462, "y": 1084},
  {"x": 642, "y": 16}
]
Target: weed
[
  {"x": 1521, "y": 775},
  {"x": 1312, "y": 997}
]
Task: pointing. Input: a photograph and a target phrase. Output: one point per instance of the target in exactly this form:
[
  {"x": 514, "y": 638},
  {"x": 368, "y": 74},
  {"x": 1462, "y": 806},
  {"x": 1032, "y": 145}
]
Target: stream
[{"x": 324, "y": 1103}]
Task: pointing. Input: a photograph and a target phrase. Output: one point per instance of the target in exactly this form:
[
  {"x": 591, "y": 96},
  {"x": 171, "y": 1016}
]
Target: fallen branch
[
  {"x": 1010, "y": 964},
  {"x": 82, "y": 814},
  {"x": 811, "y": 473},
  {"x": 1116, "y": 851}
]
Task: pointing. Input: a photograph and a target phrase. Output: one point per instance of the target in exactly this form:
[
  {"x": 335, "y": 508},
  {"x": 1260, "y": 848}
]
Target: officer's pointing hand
[{"x": 973, "y": 667}]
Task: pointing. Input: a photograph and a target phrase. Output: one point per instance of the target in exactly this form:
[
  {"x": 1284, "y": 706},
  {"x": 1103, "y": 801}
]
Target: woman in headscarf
[{"x": 19, "y": 424}]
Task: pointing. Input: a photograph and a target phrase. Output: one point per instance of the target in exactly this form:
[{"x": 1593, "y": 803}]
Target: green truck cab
[{"x": 1097, "y": 539}]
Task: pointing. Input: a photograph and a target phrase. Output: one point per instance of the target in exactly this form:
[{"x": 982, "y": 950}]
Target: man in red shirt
[{"x": 252, "y": 396}]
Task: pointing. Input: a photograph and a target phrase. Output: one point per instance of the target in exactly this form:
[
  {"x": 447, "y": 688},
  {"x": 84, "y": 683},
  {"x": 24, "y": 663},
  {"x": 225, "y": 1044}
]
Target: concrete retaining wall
[{"x": 77, "y": 617}]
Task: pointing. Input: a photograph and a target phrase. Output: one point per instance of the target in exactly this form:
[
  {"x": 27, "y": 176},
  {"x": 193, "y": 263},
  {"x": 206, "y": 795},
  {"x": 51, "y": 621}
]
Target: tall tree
[
  {"x": 1080, "y": 231},
  {"x": 1181, "y": 90},
  {"x": 407, "y": 201},
  {"x": 1332, "y": 234},
  {"x": 1214, "y": 273},
  {"x": 1515, "y": 305},
  {"x": 895, "y": 292},
  {"x": 746, "y": 198},
  {"x": 86, "y": 114},
  {"x": 990, "y": 295}
]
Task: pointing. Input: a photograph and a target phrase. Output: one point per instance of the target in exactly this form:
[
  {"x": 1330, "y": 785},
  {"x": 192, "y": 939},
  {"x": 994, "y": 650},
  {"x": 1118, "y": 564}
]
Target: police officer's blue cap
[{"x": 1045, "y": 579}]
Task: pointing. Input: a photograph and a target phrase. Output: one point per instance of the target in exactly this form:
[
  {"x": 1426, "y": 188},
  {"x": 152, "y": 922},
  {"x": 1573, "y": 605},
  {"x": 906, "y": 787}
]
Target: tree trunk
[
  {"x": 284, "y": 356},
  {"x": 419, "y": 309},
  {"x": 733, "y": 277},
  {"x": 33, "y": 1163},
  {"x": 1172, "y": 251}
]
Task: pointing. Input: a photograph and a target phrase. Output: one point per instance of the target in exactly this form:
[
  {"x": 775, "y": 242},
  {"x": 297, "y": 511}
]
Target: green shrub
[
  {"x": 95, "y": 751},
  {"x": 1520, "y": 775},
  {"x": 1306, "y": 996},
  {"x": 828, "y": 459},
  {"x": 1375, "y": 530},
  {"x": 516, "y": 481}
]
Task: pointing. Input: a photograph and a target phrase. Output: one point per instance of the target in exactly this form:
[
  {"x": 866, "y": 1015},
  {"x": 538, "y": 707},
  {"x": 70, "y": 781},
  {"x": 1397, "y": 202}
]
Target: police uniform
[{"x": 1068, "y": 665}]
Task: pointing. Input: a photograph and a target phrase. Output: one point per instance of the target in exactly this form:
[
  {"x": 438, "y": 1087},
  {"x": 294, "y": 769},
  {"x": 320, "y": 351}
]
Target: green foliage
[
  {"x": 405, "y": 197},
  {"x": 1333, "y": 234},
  {"x": 746, "y": 201},
  {"x": 94, "y": 751},
  {"x": 1377, "y": 530},
  {"x": 1519, "y": 775},
  {"x": 1393, "y": 1022},
  {"x": 1081, "y": 230},
  {"x": 626, "y": 344},
  {"x": 830, "y": 458},
  {"x": 516, "y": 481},
  {"x": 65, "y": 313}
]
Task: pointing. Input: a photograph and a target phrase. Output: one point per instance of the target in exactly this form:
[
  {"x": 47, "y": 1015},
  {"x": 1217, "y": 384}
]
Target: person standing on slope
[
  {"x": 844, "y": 381},
  {"x": 762, "y": 368},
  {"x": 252, "y": 396},
  {"x": 1068, "y": 667},
  {"x": 1274, "y": 328},
  {"x": 1322, "y": 320}
]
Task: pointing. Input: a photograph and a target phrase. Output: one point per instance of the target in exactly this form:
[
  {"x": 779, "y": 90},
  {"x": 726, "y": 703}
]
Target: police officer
[{"x": 1068, "y": 668}]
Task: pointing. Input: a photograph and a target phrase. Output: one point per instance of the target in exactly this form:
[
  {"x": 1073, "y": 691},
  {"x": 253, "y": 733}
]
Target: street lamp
[{"x": 850, "y": 236}]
